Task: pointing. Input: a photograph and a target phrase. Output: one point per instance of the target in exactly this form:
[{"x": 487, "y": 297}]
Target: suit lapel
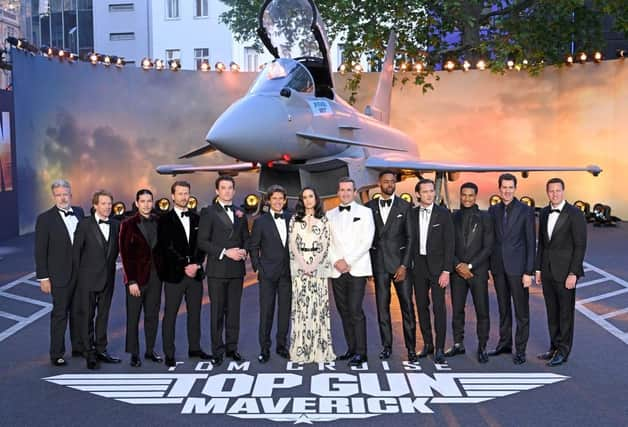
[
  {"x": 391, "y": 215},
  {"x": 474, "y": 224},
  {"x": 562, "y": 219},
  {"x": 176, "y": 222},
  {"x": 96, "y": 231},
  {"x": 379, "y": 221},
  {"x": 222, "y": 215},
  {"x": 273, "y": 226},
  {"x": 113, "y": 235},
  {"x": 60, "y": 224}
]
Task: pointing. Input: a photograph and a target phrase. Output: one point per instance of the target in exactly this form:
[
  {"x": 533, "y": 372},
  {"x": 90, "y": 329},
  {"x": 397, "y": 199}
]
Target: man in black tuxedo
[
  {"x": 95, "y": 253},
  {"x": 433, "y": 261},
  {"x": 512, "y": 266},
  {"x": 473, "y": 231},
  {"x": 562, "y": 244},
  {"x": 270, "y": 258},
  {"x": 54, "y": 236},
  {"x": 223, "y": 234},
  {"x": 391, "y": 256},
  {"x": 181, "y": 271},
  {"x": 138, "y": 240}
]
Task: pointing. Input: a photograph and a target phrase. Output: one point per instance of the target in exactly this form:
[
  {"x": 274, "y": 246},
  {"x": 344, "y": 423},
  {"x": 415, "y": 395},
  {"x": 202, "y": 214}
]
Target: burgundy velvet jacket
[{"x": 135, "y": 252}]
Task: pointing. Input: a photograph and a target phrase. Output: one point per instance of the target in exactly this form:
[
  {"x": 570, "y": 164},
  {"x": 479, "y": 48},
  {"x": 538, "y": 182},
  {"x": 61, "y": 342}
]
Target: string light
[
  {"x": 106, "y": 60},
  {"x": 569, "y": 59},
  {"x": 233, "y": 66},
  {"x": 205, "y": 66},
  {"x": 220, "y": 66},
  {"x": 120, "y": 62},
  {"x": 481, "y": 65},
  {"x": 160, "y": 64},
  {"x": 93, "y": 58},
  {"x": 403, "y": 68},
  {"x": 450, "y": 65},
  {"x": 174, "y": 64},
  {"x": 466, "y": 65},
  {"x": 510, "y": 64},
  {"x": 418, "y": 67},
  {"x": 597, "y": 57},
  {"x": 147, "y": 64},
  {"x": 357, "y": 69},
  {"x": 342, "y": 69},
  {"x": 582, "y": 57}
]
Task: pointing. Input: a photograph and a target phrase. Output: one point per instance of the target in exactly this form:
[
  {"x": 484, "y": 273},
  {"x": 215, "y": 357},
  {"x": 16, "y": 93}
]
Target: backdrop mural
[{"x": 108, "y": 127}]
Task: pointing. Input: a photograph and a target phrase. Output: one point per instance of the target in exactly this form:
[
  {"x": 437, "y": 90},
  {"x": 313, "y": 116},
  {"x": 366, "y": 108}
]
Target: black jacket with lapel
[
  {"x": 440, "y": 240},
  {"x": 477, "y": 247},
  {"x": 514, "y": 248},
  {"x": 174, "y": 249},
  {"x": 269, "y": 257}
]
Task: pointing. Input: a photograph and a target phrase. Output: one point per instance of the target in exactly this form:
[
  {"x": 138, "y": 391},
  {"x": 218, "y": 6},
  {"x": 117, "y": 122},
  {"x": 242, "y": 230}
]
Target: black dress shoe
[
  {"x": 58, "y": 361},
  {"x": 216, "y": 360},
  {"x": 548, "y": 355},
  {"x": 77, "y": 353},
  {"x": 152, "y": 356},
  {"x": 263, "y": 356},
  {"x": 357, "y": 360},
  {"x": 439, "y": 356},
  {"x": 558, "y": 359},
  {"x": 412, "y": 357},
  {"x": 235, "y": 356},
  {"x": 136, "y": 362},
  {"x": 385, "y": 353},
  {"x": 92, "y": 362},
  {"x": 482, "y": 355},
  {"x": 170, "y": 362},
  {"x": 458, "y": 348},
  {"x": 500, "y": 350},
  {"x": 519, "y": 359},
  {"x": 347, "y": 356},
  {"x": 107, "y": 358},
  {"x": 283, "y": 352},
  {"x": 427, "y": 349},
  {"x": 199, "y": 354}
]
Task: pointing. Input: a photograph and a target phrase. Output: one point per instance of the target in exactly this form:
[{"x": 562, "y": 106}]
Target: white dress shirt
[
  {"x": 553, "y": 217},
  {"x": 280, "y": 223},
  {"x": 104, "y": 228},
  {"x": 384, "y": 211},
  {"x": 185, "y": 220},
  {"x": 424, "y": 226},
  {"x": 229, "y": 211},
  {"x": 70, "y": 221}
]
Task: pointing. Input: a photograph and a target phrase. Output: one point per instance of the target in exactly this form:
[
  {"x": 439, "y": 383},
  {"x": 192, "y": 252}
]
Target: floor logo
[{"x": 305, "y": 398}]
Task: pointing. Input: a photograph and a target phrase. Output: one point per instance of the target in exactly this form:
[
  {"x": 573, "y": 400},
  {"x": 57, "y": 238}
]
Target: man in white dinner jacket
[{"x": 352, "y": 229}]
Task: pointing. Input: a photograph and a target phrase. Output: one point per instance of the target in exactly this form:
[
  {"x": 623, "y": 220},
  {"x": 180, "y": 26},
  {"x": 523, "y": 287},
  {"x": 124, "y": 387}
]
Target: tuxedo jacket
[
  {"x": 563, "y": 253},
  {"x": 353, "y": 242},
  {"x": 477, "y": 247},
  {"x": 269, "y": 257},
  {"x": 440, "y": 240},
  {"x": 94, "y": 258},
  {"x": 514, "y": 248},
  {"x": 53, "y": 247},
  {"x": 175, "y": 251},
  {"x": 135, "y": 251},
  {"x": 393, "y": 242},
  {"x": 217, "y": 233}
]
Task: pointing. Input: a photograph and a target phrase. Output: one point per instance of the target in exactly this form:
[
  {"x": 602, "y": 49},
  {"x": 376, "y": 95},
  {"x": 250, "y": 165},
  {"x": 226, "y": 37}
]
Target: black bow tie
[
  {"x": 554, "y": 210},
  {"x": 103, "y": 221},
  {"x": 185, "y": 213},
  {"x": 426, "y": 210},
  {"x": 278, "y": 215},
  {"x": 67, "y": 213},
  {"x": 227, "y": 207},
  {"x": 345, "y": 208},
  {"x": 383, "y": 202}
]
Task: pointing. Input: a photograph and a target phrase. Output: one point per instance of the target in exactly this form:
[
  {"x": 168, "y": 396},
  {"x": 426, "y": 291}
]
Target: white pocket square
[
  {"x": 435, "y": 225},
  {"x": 399, "y": 216}
]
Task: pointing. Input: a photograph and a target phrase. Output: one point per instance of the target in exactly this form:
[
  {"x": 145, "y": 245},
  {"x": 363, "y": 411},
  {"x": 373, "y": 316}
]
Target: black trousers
[
  {"x": 271, "y": 291},
  {"x": 382, "y": 299},
  {"x": 424, "y": 284},
  {"x": 65, "y": 306},
  {"x": 225, "y": 295},
  {"x": 95, "y": 307},
  {"x": 560, "y": 304},
  {"x": 349, "y": 294},
  {"x": 510, "y": 287},
  {"x": 192, "y": 289},
  {"x": 149, "y": 300},
  {"x": 478, "y": 285}
]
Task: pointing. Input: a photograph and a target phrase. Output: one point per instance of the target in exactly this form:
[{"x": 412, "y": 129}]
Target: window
[
  {"x": 116, "y": 37},
  {"x": 200, "y": 55},
  {"x": 173, "y": 54},
  {"x": 172, "y": 9},
  {"x": 251, "y": 58},
  {"x": 200, "y": 8},
  {"x": 121, "y": 7}
]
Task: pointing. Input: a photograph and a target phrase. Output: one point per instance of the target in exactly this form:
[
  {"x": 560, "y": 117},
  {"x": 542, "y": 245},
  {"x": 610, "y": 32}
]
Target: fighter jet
[{"x": 293, "y": 129}]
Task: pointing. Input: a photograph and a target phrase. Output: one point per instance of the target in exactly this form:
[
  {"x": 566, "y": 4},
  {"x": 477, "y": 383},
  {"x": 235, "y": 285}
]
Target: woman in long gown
[{"x": 309, "y": 240}]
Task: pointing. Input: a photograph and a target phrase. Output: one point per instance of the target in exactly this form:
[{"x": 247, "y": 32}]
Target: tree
[{"x": 530, "y": 33}]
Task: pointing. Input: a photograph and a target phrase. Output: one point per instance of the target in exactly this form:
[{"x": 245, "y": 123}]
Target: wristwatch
[{"x": 470, "y": 266}]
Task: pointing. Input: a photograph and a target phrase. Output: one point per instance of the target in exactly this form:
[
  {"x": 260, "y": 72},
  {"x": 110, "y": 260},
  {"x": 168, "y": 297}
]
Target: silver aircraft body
[{"x": 293, "y": 129}]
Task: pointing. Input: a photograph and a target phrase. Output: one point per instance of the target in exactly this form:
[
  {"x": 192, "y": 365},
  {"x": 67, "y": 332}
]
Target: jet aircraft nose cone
[{"x": 251, "y": 129}]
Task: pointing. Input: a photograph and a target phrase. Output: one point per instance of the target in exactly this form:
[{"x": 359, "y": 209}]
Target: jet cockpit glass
[{"x": 283, "y": 72}]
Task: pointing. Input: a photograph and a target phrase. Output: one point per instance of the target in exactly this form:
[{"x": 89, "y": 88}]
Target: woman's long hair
[{"x": 300, "y": 208}]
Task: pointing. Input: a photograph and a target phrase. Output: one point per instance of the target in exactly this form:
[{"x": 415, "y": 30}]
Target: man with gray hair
[{"x": 54, "y": 237}]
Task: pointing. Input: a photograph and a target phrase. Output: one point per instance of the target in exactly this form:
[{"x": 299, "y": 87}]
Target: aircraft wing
[
  {"x": 232, "y": 168},
  {"x": 207, "y": 148},
  {"x": 401, "y": 163},
  {"x": 336, "y": 140}
]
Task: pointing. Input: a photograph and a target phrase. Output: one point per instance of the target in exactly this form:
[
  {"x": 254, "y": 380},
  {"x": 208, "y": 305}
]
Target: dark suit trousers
[
  {"x": 423, "y": 284},
  {"x": 192, "y": 289},
  {"x": 150, "y": 300},
  {"x": 478, "y": 285},
  {"x": 404, "y": 295},
  {"x": 95, "y": 307},
  {"x": 65, "y": 303},
  {"x": 225, "y": 295},
  {"x": 508, "y": 287},
  {"x": 560, "y": 304},
  {"x": 349, "y": 294},
  {"x": 270, "y": 291}
]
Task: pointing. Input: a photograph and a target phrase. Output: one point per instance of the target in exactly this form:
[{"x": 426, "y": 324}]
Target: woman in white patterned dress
[{"x": 309, "y": 237}]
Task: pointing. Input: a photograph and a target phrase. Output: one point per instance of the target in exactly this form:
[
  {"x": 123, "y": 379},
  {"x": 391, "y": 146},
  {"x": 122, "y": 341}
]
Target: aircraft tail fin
[{"x": 380, "y": 105}]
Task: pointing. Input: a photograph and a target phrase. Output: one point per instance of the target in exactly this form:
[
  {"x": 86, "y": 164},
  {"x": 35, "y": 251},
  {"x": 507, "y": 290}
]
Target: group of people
[{"x": 421, "y": 251}]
